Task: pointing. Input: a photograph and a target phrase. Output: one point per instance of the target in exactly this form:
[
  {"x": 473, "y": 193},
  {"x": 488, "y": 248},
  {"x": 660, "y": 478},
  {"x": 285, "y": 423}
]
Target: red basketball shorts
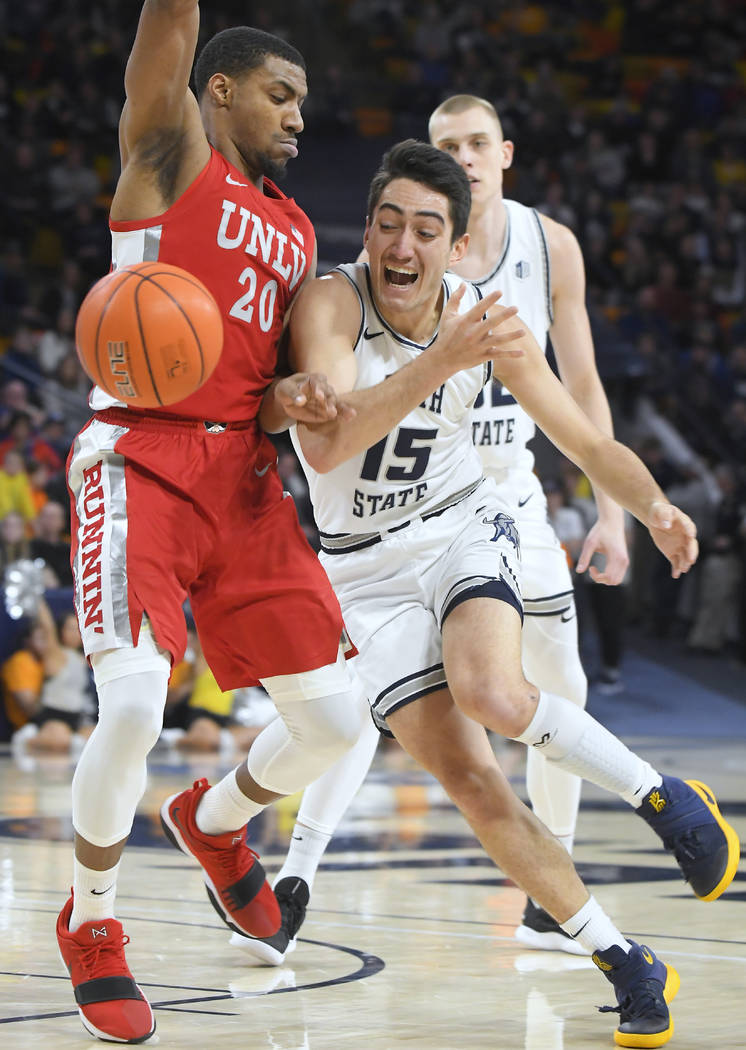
[{"x": 162, "y": 511}]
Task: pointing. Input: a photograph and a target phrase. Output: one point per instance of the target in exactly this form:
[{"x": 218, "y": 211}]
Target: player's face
[
  {"x": 473, "y": 138},
  {"x": 408, "y": 239},
  {"x": 267, "y": 117}
]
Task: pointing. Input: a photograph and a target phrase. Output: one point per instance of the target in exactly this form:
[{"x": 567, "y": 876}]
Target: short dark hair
[
  {"x": 238, "y": 50},
  {"x": 423, "y": 163}
]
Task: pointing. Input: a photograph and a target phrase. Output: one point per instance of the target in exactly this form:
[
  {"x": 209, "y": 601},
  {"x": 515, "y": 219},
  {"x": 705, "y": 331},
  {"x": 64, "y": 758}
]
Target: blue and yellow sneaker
[
  {"x": 685, "y": 814},
  {"x": 644, "y": 987}
]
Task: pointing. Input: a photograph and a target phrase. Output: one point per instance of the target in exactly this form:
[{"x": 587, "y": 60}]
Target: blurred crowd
[{"x": 629, "y": 121}]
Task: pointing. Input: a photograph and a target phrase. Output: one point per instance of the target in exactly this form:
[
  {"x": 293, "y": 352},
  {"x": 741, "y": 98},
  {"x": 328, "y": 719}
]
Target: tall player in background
[{"x": 186, "y": 501}]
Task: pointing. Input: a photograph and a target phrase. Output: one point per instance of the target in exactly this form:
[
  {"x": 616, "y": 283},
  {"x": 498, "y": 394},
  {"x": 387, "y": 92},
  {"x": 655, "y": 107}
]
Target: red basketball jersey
[{"x": 252, "y": 249}]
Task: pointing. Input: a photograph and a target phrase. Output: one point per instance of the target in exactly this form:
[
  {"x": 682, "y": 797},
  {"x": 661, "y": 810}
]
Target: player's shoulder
[
  {"x": 559, "y": 237},
  {"x": 334, "y": 294}
]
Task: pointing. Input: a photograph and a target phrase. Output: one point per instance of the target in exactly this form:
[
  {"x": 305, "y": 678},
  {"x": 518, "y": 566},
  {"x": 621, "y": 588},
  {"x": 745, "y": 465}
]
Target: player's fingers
[
  {"x": 497, "y": 338},
  {"x": 454, "y": 300},
  {"x": 615, "y": 568},
  {"x": 587, "y": 552},
  {"x": 488, "y": 301},
  {"x": 345, "y": 410},
  {"x": 499, "y": 313}
]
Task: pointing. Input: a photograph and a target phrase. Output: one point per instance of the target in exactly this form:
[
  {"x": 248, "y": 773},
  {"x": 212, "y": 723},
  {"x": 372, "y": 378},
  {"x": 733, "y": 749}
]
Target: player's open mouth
[{"x": 398, "y": 275}]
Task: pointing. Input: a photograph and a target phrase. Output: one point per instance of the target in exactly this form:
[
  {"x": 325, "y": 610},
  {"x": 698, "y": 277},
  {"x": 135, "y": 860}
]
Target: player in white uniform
[
  {"x": 538, "y": 266},
  {"x": 424, "y": 558}
]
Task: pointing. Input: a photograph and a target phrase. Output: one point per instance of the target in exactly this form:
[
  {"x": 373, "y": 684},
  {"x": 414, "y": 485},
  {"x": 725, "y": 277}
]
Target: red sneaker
[
  {"x": 110, "y": 1004},
  {"x": 234, "y": 878}
]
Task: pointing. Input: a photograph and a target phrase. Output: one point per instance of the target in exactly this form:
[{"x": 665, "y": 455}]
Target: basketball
[{"x": 149, "y": 334}]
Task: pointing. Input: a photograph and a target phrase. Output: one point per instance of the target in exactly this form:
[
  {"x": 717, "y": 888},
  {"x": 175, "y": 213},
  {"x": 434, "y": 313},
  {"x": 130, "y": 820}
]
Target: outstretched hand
[
  {"x": 674, "y": 534},
  {"x": 481, "y": 333},
  {"x": 310, "y": 398}
]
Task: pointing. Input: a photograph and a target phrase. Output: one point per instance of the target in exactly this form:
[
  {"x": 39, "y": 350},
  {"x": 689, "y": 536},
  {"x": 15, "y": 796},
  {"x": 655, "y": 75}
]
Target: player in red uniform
[{"x": 186, "y": 501}]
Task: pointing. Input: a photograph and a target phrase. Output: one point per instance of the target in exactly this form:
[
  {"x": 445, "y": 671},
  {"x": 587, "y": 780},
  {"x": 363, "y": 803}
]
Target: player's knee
[
  {"x": 478, "y": 792},
  {"x": 502, "y": 705},
  {"x": 335, "y": 725},
  {"x": 130, "y": 716}
]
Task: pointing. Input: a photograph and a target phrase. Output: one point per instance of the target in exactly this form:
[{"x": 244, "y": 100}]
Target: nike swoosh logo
[
  {"x": 578, "y": 932},
  {"x": 371, "y": 335},
  {"x": 175, "y": 818},
  {"x": 523, "y": 502},
  {"x": 647, "y": 955},
  {"x": 100, "y": 893},
  {"x": 235, "y": 182},
  {"x": 263, "y": 471},
  {"x": 566, "y": 619}
]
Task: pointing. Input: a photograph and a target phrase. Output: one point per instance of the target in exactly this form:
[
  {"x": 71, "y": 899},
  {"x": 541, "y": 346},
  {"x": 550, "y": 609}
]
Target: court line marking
[{"x": 370, "y": 966}]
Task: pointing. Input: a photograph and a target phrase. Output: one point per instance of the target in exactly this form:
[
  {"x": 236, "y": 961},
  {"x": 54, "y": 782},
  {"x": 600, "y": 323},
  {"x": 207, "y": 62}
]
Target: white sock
[
  {"x": 94, "y": 893},
  {"x": 224, "y": 807},
  {"x": 304, "y": 854},
  {"x": 574, "y": 741},
  {"x": 592, "y": 928}
]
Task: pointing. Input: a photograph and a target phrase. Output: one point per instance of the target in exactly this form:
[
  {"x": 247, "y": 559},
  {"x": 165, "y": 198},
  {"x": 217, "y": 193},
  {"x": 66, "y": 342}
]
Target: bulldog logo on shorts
[{"x": 504, "y": 525}]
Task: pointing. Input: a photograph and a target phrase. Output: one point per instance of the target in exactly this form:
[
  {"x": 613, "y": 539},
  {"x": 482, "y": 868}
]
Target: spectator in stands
[
  {"x": 65, "y": 706},
  {"x": 201, "y": 718},
  {"x": 14, "y": 544},
  {"x": 16, "y": 494},
  {"x": 50, "y": 543},
  {"x": 22, "y": 438},
  {"x": 14, "y": 397},
  {"x": 20, "y": 362},
  {"x": 21, "y": 679},
  {"x": 65, "y": 396},
  {"x": 71, "y": 182}
]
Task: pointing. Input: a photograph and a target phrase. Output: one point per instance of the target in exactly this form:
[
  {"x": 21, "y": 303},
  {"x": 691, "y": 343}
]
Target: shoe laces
[
  {"x": 644, "y": 1002},
  {"x": 686, "y": 847},
  {"x": 234, "y": 861},
  {"x": 112, "y": 951}
]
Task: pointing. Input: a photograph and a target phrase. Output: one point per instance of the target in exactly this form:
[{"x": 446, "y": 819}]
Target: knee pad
[
  {"x": 130, "y": 711},
  {"x": 111, "y": 774},
  {"x": 307, "y": 738}
]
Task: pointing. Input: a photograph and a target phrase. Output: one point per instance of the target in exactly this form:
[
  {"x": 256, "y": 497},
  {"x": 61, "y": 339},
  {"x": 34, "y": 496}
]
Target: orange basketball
[{"x": 149, "y": 334}]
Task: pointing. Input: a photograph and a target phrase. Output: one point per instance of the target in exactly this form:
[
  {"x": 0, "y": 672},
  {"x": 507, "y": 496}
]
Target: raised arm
[
  {"x": 160, "y": 130},
  {"x": 324, "y": 328},
  {"x": 576, "y": 360},
  {"x": 607, "y": 463}
]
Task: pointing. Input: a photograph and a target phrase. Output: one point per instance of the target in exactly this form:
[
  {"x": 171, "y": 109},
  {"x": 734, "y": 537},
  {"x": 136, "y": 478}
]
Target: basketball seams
[
  {"x": 182, "y": 311},
  {"x": 144, "y": 279}
]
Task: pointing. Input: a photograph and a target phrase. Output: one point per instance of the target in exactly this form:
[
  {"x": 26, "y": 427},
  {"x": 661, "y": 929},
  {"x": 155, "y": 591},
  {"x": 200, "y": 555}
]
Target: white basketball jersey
[
  {"x": 426, "y": 459},
  {"x": 500, "y": 427}
]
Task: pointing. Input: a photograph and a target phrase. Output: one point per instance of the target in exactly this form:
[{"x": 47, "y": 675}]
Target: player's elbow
[{"x": 319, "y": 452}]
